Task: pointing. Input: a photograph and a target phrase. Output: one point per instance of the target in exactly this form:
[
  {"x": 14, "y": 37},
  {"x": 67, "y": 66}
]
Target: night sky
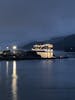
[{"x": 36, "y": 19}]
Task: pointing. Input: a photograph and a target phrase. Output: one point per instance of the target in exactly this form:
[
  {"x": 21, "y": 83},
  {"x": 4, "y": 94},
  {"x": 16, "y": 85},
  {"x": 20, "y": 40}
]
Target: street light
[{"x": 14, "y": 47}]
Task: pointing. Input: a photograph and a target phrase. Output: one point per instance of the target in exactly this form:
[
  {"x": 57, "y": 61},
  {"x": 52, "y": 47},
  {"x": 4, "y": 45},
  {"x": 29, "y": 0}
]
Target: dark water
[{"x": 37, "y": 80}]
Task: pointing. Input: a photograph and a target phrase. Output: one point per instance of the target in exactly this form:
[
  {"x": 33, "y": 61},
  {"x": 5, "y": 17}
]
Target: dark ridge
[{"x": 60, "y": 43}]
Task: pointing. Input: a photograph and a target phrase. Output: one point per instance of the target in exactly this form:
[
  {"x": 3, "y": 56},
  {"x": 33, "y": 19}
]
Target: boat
[{"x": 44, "y": 50}]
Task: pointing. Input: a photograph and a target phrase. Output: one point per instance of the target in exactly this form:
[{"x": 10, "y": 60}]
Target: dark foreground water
[{"x": 37, "y": 80}]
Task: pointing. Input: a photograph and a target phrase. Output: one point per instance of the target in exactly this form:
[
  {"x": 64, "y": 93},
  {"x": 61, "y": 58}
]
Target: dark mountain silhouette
[{"x": 60, "y": 43}]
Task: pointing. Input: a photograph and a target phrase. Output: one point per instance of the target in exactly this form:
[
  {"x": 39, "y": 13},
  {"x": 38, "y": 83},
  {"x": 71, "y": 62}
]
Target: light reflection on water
[
  {"x": 0, "y": 72},
  {"x": 46, "y": 73},
  {"x": 13, "y": 78},
  {"x": 7, "y": 68},
  {"x": 37, "y": 80},
  {"x": 14, "y": 81}
]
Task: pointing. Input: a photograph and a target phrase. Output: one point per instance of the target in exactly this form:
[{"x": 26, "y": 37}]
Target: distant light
[
  {"x": 14, "y": 47},
  {"x": 71, "y": 48},
  {"x": 7, "y": 48}
]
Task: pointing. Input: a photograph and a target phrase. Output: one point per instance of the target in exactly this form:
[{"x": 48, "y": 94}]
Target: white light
[
  {"x": 7, "y": 48},
  {"x": 14, "y": 47}
]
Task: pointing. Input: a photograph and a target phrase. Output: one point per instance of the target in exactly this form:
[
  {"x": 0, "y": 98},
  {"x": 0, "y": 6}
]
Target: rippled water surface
[{"x": 37, "y": 80}]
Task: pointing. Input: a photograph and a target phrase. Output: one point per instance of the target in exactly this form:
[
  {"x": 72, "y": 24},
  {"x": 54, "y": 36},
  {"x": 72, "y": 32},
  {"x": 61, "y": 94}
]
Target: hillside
[
  {"x": 60, "y": 43},
  {"x": 66, "y": 42}
]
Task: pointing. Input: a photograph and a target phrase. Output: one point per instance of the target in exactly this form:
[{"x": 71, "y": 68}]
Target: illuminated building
[{"x": 45, "y": 50}]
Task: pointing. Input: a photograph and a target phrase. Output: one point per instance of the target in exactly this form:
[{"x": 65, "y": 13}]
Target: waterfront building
[{"x": 44, "y": 50}]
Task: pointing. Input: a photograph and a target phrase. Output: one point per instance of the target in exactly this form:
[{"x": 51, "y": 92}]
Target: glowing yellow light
[
  {"x": 14, "y": 47},
  {"x": 14, "y": 82}
]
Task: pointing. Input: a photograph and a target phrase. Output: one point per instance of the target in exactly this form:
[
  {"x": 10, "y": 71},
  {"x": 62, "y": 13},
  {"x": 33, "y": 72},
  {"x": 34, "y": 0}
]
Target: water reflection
[
  {"x": 46, "y": 73},
  {"x": 0, "y": 72},
  {"x": 7, "y": 68},
  {"x": 14, "y": 81},
  {"x": 38, "y": 80},
  {"x": 46, "y": 63}
]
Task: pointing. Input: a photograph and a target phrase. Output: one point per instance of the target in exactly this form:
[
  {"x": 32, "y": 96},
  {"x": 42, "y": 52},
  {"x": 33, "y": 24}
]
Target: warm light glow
[
  {"x": 14, "y": 82},
  {"x": 45, "y": 50},
  {"x": 45, "y": 54},
  {"x": 14, "y": 47},
  {"x": 14, "y": 74}
]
